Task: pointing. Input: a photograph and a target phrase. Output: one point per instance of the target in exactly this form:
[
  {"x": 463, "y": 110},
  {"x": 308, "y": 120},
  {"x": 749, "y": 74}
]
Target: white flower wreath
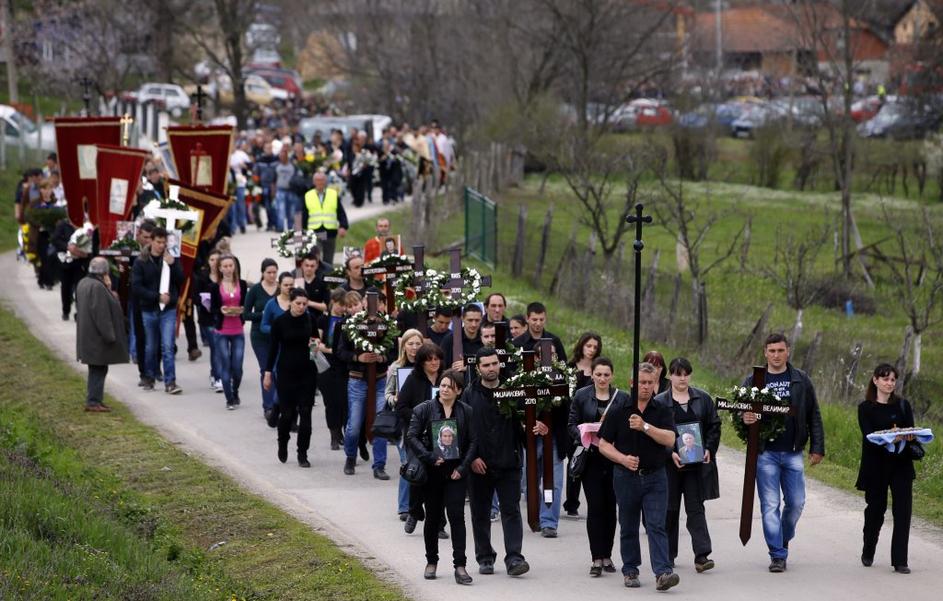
[
  {"x": 308, "y": 242},
  {"x": 407, "y": 299},
  {"x": 380, "y": 346},
  {"x": 470, "y": 291}
]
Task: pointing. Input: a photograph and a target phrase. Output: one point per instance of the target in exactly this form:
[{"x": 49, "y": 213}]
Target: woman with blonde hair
[{"x": 409, "y": 344}]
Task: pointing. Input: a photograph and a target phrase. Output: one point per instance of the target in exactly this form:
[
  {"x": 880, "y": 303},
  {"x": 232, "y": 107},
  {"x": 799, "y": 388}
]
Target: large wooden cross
[
  {"x": 373, "y": 330},
  {"x": 419, "y": 285},
  {"x": 753, "y": 446},
  {"x": 200, "y": 96},
  {"x": 456, "y": 284},
  {"x": 529, "y": 396},
  {"x": 389, "y": 272}
]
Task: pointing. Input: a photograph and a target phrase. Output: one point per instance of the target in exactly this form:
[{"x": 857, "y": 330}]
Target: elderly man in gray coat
[{"x": 101, "y": 340}]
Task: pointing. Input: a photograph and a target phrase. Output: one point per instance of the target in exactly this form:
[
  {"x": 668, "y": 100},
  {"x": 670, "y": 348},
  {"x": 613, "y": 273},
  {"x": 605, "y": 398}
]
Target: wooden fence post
[
  {"x": 517, "y": 265},
  {"x": 757, "y": 331},
  {"x": 808, "y": 362},
  {"x": 544, "y": 243}
]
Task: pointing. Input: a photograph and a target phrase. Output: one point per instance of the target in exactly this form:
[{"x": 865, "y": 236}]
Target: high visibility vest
[{"x": 322, "y": 214}]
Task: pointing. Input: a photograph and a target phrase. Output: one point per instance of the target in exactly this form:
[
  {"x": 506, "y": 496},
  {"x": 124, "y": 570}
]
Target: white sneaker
[
  {"x": 218, "y": 385},
  {"x": 212, "y": 383}
]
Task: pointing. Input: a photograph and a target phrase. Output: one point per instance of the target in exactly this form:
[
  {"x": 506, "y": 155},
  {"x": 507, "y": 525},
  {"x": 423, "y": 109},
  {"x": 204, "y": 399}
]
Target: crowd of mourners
[{"x": 633, "y": 457}]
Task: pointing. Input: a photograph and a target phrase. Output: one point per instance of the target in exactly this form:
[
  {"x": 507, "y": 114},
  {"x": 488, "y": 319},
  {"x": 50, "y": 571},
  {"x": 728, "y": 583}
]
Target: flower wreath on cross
[
  {"x": 471, "y": 288},
  {"x": 510, "y": 407},
  {"x": 308, "y": 242},
  {"x": 404, "y": 291},
  {"x": 771, "y": 426},
  {"x": 176, "y": 205},
  {"x": 381, "y": 345}
]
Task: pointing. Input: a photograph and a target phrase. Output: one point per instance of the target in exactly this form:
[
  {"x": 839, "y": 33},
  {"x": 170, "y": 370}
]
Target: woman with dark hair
[
  {"x": 226, "y": 307},
  {"x": 881, "y": 469},
  {"x": 417, "y": 389},
  {"x": 661, "y": 373},
  {"x": 590, "y": 405},
  {"x": 275, "y": 308},
  {"x": 696, "y": 482},
  {"x": 203, "y": 282},
  {"x": 444, "y": 418},
  {"x": 256, "y": 299},
  {"x": 333, "y": 382},
  {"x": 517, "y": 325},
  {"x": 292, "y": 335},
  {"x": 586, "y": 350}
]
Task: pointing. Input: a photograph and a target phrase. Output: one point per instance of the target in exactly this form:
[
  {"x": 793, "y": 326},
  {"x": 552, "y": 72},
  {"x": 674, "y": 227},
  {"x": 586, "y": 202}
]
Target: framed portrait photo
[
  {"x": 690, "y": 443},
  {"x": 445, "y": 439}
]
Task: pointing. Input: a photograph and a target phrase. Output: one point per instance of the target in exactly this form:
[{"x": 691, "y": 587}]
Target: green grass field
[{"x": 97, "y": 506}]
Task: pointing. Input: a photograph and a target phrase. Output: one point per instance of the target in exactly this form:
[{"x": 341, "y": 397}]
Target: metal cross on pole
[
  {"x": 200, "y": 97},
  {"x": 86, "y": 84},
  {"x": 638, "y": 219}
]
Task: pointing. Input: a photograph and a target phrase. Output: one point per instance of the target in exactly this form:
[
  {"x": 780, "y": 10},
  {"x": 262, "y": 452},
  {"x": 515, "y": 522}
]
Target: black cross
[
  {"x": 373, "y": 330},
  {"x": 455, "y": 286},
  {"x": 200, "y": 96},
  {"x": 86, "y": 84},
  {"x": 638, "y": 219}
]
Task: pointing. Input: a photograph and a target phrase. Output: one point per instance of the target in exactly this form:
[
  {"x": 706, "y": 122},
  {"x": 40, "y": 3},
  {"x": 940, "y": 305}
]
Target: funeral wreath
[
  {"x": 308, "y": 241},
  {"x": 771, "y": 426},
  {"x": 359, "y": 325}
]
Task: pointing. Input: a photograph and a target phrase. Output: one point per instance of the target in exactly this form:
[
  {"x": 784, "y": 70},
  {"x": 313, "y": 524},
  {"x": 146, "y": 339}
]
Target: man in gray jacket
[{"x": 101, "y": 340}]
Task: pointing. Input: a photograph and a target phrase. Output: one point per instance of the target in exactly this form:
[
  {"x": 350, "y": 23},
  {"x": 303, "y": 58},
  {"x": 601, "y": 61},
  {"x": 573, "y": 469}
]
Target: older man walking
[{"x": 101, "y": 340}]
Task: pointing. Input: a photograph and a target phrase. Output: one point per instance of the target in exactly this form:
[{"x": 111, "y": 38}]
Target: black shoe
[
  {"x": 595, "y": 571},
  {"x": 235, "y": 398},
  {"x": 518, "y": 568},
  {"x": 429, "y": 573},
  {"x": 172, "y": 388},
  {"x": 548, "y": 532},
  {"x": 147, "y": 385},
  {"x": 380, "y": 474},
  {"x": 364, "y": 454},
  {"x": 443, "y": 534},
  {"x": 271, "y": 418},
  {"x": 403, "y": 516},
  {"x": 573, "y": 514},
  {"x": 303, "y": 461},
  {"x": 283, "y": 451},
  {"x": 608, "y": 567},
  {"x": 65, "y": 317},
  {"x": 486, "y": 568},
  {"x": 335, "y": 446},
  {"x": 410, "y": 525},
  {"x": 666, "y": 581},
  {"x": 230, "y": 405},
  {"x": 631, "y": 580},
  {"x": 461, "y": 576},
  {"x": 777, "y": 566},
  {"x": 902, "y": 569},
  {"x": 702, "y": 564},
  {"x": 867, "y": 561},
  {"x": 294, "y": 427},
  {"x": 349, "y": 466}
]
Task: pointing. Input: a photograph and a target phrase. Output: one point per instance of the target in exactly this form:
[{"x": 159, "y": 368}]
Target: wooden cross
[
  {"x": 126, "y": 123},
  {"x": 200, "y": 96},
  {"x": 529, "y": 396},
  {"x": 456, "y": 284},
  {"x": 753, "y": 446},
  {"x": 373, "y": 330},
  {"x": 388, "y": 281},
  {"x": 419, "y": 283}
]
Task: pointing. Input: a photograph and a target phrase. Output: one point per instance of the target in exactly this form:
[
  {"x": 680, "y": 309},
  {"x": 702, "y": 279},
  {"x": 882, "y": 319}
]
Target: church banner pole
[{"x": 637, "y": 219}]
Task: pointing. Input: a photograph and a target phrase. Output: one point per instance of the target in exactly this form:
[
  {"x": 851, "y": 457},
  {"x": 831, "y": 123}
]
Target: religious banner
[
  {"x": 119, "y": 173},
  {"x": 210, "y": 209},
  {"x": 201, "y": 155},
  {"x": 77, "y": 140}
]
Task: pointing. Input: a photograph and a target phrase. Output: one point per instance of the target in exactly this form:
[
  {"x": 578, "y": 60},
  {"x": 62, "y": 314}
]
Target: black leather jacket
[
  {"x": 419, "y": 434},
  {"x": 808, "y": 418},
  {"x": 499, "y": 437}
]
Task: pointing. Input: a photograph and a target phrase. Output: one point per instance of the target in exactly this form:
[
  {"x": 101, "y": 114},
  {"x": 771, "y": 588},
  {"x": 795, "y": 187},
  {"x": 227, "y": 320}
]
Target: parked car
[
  {"x": 378, "y": 123},
  {"x": 720, "y": 115},
  {"x": 285, "y": 83},
  {"x": 171, "y": 96},
  {"x": 324, "y": 125},
  {"x": 753, "y": 117},
  {"x": 641, "y": 113},
  {"x": 20, "y": 129},
  {"x": 903, "y": 119},
  {"x": 800, "y": 111},
  {"x": 865, "y": 109},
  {"x": 258, "y": 91}
]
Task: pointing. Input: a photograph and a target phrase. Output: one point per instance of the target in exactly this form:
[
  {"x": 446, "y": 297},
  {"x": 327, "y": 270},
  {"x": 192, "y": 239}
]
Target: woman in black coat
[
  {"x": 881, "y": 469},
  {"x": 441, "y": 436},
  {"x": 696, "y": 482},
  {"x": 590, "y": 405}
]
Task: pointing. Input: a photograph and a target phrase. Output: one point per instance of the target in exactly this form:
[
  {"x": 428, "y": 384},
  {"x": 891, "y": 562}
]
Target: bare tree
[
  {"x": 792, "y": 270},
  {"x": 676, "y": 213}
]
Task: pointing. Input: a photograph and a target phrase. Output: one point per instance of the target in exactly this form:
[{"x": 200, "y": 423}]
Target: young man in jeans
[
  {"x": 158, "y": 309},
  {"x": 779, "y": 466}
]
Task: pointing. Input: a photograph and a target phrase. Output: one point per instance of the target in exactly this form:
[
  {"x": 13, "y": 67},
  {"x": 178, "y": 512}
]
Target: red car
[
  {"x": 283, "y": 79},
  {"x": 866, "y": 108}
]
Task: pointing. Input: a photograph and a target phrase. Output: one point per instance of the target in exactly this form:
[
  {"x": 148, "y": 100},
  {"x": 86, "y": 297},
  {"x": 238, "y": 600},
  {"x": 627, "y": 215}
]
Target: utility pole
[{"x": 6, "y": 27}]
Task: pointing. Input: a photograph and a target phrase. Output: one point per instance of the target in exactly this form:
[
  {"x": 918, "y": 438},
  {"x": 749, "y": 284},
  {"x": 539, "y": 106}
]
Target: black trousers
[
  {"x": 686, "y": 483},
  {"x": 507, "y": 483},
  {"x": 189, "y": 328},
  {"x": 572, "y": 499},
  {"x": 333, "y": 387},
  {"x": 442, "y": 495},
  {"x": 69, "y": 276},
  {"x": 295, "y": 399},
  {"x": 96, "y": 384},
  {"x": 139, "y": 339},
  {"x": 901, "y": 487},
  {"x": 601, "y": 518}
]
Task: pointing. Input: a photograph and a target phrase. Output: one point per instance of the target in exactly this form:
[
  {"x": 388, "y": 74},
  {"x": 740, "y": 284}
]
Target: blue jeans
[
  {"x": 230, "y": 349},
  {"x": 549, "y": 516},
  {"x": 160, "y": 329},
  {"x": 356, "y": 399},
  {"x": 260, "y": 348},
  {"x": 237, "y": 212},
  {"x": 402, "y": 498},
  {"x": 635, "y": 493},
  {"x": 208, "y": 334},
  {"x": 775, "y": 471},
  {"x": 287, "y": 203}
]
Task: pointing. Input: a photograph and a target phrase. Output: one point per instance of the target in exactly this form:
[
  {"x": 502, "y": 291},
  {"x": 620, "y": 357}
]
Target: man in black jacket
[
  {"x": 497, "y": 468},
  {"x": 536, "y": 322},
  {"x": 779, "y": 466},
  {"x": 471, "y": 339},
  {"x": 158, "y": 309}
]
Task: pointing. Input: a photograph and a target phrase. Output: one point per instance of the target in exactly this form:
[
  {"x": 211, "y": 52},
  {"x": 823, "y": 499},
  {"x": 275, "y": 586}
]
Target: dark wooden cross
[
  {"x": 200, "y": 96},
  {"x": 638, "y": 220},
  {"x": 456, "y": 284},
  {"x": 389, "y": 272},
  {"x": 529, "y": 396},
  {"x": 86, "y": 84},
  {"x": 753, "y": 446},
  {"x": 419, "y": 284},
  {"x": 373, "y": 330}
]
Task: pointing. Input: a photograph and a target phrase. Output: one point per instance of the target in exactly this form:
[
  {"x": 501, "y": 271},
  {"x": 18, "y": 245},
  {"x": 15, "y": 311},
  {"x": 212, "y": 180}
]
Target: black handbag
[
  {"x": 578, "y": 462},
  {"x": 414, "y": 471},
  {"x": 386, "y": 425},
  {"x": 915, "y": 450}
]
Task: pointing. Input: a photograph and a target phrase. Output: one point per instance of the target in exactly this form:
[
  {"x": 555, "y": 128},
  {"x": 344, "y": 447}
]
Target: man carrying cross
[
  {"x": 471, "y": 339},
  {"x": 779, "y": 465}
]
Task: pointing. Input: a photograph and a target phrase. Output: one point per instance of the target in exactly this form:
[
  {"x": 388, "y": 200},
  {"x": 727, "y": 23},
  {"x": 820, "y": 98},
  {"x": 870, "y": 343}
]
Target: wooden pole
[{"x": 530, "y": 421}]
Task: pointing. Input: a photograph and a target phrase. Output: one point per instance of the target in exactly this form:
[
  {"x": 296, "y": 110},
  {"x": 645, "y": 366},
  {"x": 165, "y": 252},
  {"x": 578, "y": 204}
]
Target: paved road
[{"x": 360, "y": 512}]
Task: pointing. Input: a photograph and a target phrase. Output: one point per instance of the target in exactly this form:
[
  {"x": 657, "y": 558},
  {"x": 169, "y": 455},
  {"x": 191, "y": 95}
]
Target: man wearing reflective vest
[{"x": 324, "y": 213}]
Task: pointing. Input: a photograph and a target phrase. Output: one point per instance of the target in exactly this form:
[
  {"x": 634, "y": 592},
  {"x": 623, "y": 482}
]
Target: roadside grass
[
  {"x": 9, "y": 178},
  {"x": 843, "y": 437},
  {"x": 99, "y": 506}
]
